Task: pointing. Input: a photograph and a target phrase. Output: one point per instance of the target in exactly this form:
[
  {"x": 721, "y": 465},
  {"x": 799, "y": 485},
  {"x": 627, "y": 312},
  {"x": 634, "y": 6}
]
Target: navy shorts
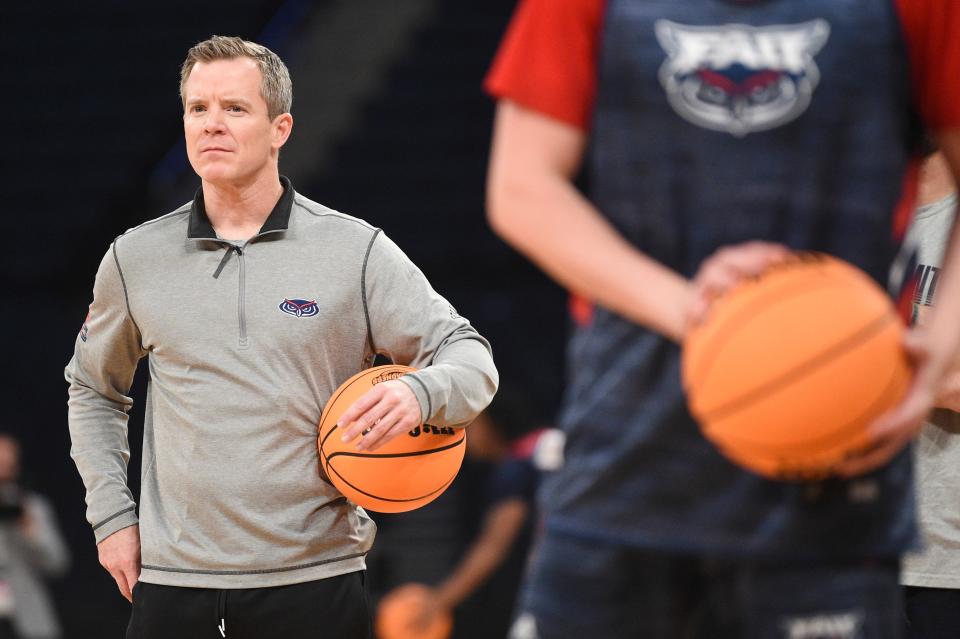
[{"x": 582, "y": 589}]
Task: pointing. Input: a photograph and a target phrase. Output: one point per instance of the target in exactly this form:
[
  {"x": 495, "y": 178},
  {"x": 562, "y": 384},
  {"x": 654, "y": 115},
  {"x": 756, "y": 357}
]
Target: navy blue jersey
[{"x": 717, "y": 123}]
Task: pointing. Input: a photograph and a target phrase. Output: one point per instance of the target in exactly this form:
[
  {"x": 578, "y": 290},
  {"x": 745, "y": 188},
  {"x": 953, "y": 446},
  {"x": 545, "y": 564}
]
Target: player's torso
[{"x": 719, "y": 122}]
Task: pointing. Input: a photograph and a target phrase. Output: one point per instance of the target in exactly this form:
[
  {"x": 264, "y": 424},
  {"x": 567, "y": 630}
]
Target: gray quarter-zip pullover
[{"x": 245, "y": 342}]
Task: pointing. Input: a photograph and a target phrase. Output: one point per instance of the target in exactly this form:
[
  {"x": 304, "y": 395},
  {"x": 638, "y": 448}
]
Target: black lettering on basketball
[{"x": 386, "y": 377}]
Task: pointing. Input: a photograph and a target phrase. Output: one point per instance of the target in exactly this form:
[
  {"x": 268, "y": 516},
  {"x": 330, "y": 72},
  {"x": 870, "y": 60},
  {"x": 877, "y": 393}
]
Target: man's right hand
[{"x": 120, "y": 555}]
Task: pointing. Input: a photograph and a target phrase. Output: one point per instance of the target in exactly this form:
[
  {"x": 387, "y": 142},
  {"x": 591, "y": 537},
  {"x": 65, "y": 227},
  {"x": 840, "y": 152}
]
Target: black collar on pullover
[{"x": 201, "y": 228}]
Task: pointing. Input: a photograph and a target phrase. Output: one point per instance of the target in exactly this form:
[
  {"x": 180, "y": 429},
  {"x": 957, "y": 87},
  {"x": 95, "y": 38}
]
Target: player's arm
[
  {"x": 501, "y": 527},
  {"x": 933, "y": 347},
  {"x": 100, "y": 375},
  {"x": 948, "y": 396},
  {"x": 533, "y": 204}
]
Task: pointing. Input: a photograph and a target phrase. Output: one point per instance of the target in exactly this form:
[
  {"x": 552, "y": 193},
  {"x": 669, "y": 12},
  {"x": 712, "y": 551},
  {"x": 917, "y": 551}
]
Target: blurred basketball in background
[
  {"x": 790, "y": 368},
  {"x": 399, "y": 610},
  {"x": 405, "y": 473}
]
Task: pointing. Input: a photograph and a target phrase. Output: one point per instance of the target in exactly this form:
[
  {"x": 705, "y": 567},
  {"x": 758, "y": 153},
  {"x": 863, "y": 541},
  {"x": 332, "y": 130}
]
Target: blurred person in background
[
  {"x": 252, "y": 304},
  {"x": 931, "y": 576},
  {"x": 718, "y": 136},
  {"x": 31, "y": 551},
  {"x": 481, "y": 590}
]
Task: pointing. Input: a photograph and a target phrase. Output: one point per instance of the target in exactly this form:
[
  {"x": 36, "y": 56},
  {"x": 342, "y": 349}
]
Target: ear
[{"x": 281, "y": 126}]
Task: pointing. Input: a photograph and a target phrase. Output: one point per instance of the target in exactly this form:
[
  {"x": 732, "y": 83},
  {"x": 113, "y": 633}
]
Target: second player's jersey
[{"x": 714, "y": 123}]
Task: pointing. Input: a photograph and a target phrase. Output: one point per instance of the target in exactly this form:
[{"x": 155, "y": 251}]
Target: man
[
  {"x": 252, "y": 304},
  {"x": 932, "y": 576},
  {"x": 721, "y": 135}
]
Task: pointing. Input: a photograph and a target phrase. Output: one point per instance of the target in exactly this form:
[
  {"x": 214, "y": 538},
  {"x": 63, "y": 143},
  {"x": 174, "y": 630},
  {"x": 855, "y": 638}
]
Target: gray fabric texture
[
  {"x": 231, "y": 494},
  {"x": 937, "y": 449}
]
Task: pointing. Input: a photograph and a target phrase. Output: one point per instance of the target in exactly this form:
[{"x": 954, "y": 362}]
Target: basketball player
[
  {"x": 720, "y": 135},
  {"x": 932, "y": 576},
  {"x": 251, "y": 303}
]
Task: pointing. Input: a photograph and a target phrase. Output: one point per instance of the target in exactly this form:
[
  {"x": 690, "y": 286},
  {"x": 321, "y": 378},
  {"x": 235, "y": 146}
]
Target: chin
[{"x": 218, "y": 175}]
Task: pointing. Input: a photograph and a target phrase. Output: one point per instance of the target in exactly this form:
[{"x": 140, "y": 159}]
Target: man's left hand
[{"x": 383, "y": 412}]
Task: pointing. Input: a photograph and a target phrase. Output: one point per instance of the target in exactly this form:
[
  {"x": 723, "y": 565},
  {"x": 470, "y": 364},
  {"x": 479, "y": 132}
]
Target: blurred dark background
[{"x": 391, "y": 125}]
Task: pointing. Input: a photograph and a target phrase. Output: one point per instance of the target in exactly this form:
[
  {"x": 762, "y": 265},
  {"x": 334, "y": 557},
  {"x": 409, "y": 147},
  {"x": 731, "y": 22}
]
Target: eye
[
  {"x": 197, "y": 108},
  {"x": 235, "y": 108}
]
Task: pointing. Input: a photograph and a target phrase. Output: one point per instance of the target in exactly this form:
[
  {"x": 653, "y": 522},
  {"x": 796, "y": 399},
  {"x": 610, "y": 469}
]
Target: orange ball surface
[
  {"x": 789, "y": 369},
  {"x": 405, "y": 473},
  {"x": 398, "y": 612}
]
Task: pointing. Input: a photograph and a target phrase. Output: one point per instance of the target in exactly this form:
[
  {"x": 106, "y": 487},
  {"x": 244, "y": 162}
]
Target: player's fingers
[
  {"x": 893, "y": 431},
  {"x": 726, "y": 269},
  {"x": 872, "y": 458}
]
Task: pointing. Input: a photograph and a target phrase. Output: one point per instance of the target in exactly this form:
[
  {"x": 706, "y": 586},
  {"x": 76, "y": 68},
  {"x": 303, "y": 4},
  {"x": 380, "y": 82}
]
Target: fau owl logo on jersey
[{"x": 737, "y": 78}]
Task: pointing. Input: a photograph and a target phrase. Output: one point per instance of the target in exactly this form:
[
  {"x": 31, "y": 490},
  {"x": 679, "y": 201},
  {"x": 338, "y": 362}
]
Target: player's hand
[
  {"x": 948, "y": 394},
  {"x": 894, "y": 429},
  {"x": 382, "y": 413},
  {"x": 725, "y": 269},
  {"x": 120, "y": 555},
  {"x": 425, "y": 616}
]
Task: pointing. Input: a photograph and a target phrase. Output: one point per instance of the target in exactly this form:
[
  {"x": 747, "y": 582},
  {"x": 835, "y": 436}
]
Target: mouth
[{"x": 215, "y": 149}]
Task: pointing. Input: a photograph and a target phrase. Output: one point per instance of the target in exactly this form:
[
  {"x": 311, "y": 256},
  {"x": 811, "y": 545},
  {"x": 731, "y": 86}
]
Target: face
[{"x": 230, "y": 137}]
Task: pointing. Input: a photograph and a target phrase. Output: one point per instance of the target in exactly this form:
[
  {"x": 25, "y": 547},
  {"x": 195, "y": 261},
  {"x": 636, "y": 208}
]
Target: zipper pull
[
  {"x": 223, "y": 262},
  {"x": 223, "y": 628}
]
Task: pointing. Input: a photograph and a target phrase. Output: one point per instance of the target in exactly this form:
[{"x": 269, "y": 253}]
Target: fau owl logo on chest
[
  {"x": 737, "y": 78},
  {"x": 299, "y": 308}
]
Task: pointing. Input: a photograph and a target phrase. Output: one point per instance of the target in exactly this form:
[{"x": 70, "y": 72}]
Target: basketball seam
[
  {"x": 415, "y": 453},
  {"x": 829, "y": 438},
  {"x": 734, "y": 321},
  {"x": 363, "y": 492},
  {"x": 790, "y": 376}
]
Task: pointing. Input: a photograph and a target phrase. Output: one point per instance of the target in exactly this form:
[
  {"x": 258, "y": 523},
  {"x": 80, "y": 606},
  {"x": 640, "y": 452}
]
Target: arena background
[{"x": 390, "y": 125}]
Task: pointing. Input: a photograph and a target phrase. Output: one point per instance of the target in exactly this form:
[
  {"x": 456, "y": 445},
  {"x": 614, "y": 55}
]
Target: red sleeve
[
  {"x": 932, "y": 32},
  {"x": 548, "y": 59}
]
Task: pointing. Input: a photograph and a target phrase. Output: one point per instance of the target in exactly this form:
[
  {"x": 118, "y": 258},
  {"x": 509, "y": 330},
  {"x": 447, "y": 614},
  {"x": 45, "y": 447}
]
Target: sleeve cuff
[
  {"x": 119, "y": 521},
  {"x": 420, "y": 392}
]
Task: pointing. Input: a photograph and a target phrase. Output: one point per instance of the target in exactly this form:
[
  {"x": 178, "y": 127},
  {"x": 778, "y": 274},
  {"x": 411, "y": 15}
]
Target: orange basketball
[
  {"x": 398, "y": 611},
  {"x": 790, "y": 368},
  {"x": 405, "y": 473}
]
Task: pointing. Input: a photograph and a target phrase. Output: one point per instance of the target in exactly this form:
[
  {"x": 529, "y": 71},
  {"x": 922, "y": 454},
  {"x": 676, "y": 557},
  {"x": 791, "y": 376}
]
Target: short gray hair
[{"x": 276, "y": 88}]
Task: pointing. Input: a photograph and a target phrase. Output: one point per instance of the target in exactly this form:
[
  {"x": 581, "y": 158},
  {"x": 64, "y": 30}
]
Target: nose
[{"x": 214, "y": 121}]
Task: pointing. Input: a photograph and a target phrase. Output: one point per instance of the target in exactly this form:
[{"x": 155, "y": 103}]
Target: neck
[
  {"x": 936, "y": 181},
  {"x": 238, "y": 211}
]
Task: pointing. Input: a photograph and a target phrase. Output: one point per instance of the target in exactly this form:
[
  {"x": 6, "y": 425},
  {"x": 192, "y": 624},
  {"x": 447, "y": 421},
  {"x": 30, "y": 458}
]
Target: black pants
[
  {"x": 932, "y": 613},
  {"x": 334, "y": 608},
  {"x": 6, "y": 630}
]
